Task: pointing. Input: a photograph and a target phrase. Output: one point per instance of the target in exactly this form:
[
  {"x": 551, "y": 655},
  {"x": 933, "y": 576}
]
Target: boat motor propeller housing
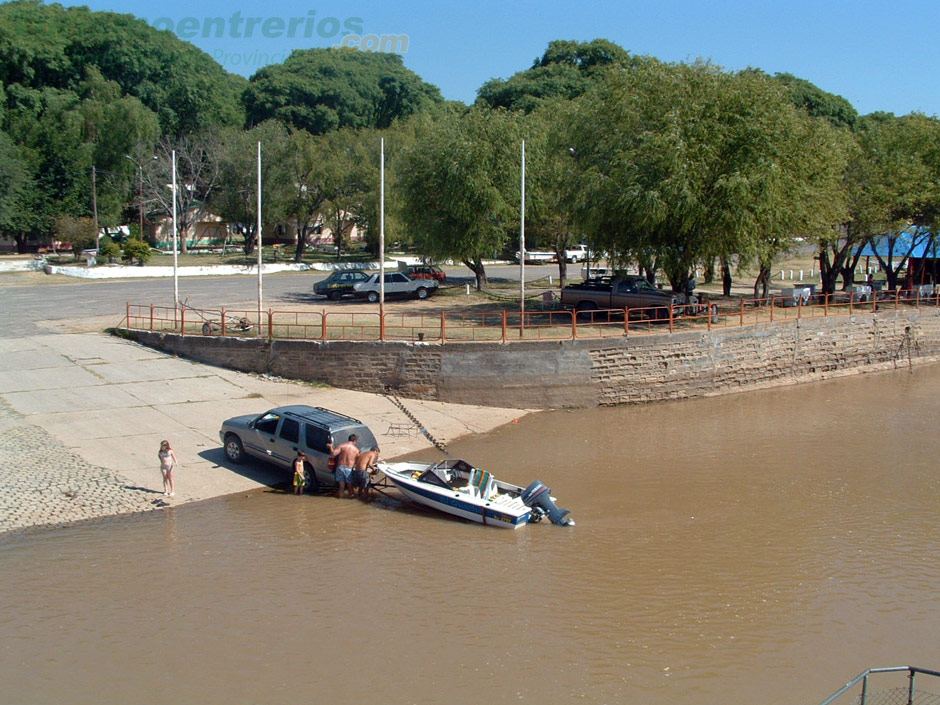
[{"x": 539, "y": 497}]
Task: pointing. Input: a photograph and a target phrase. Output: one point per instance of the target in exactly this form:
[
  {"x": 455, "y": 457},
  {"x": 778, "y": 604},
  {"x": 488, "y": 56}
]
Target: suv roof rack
[{"x": 318, "y": 414}]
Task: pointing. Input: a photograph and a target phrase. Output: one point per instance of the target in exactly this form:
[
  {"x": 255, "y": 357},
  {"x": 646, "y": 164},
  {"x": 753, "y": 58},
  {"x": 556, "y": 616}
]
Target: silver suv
[{"x": 276, "y": 435}]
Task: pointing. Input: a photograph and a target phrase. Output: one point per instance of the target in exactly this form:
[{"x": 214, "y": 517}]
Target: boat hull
[{"x": 508, "y": 514}]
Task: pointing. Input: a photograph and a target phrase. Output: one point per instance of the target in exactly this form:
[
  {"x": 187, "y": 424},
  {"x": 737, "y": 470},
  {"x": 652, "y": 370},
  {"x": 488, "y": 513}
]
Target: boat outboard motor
[{"x": 539, "y": 497}]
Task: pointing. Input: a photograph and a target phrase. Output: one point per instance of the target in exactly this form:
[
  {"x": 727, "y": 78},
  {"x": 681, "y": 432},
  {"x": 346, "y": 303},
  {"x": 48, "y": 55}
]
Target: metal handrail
[
  {"x": 863, "y": 678},
  {"x": 496, "y": 326}
]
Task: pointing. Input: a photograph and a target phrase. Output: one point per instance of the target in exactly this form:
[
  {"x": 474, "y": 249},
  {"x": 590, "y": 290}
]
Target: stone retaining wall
[{"x": 585, "y": 373}]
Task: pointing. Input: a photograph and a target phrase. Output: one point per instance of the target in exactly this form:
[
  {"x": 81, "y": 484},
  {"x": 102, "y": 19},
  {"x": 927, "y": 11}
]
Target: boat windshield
[{"x": 432, "y": 478}]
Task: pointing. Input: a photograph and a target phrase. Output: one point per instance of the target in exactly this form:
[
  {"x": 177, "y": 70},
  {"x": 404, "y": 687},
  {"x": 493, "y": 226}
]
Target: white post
[
  {"x": 382, "y": 230},
  {"x": 522, "y": 245},
  {"x": 258, "y": 228},
  {"x": 176, "y": 285}
]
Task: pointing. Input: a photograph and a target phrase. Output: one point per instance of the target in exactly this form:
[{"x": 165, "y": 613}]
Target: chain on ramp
[{"x": 411, "y": 417}]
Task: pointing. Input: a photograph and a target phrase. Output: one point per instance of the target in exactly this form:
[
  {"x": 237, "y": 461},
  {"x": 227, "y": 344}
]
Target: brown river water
[{"x": 756, "y": 548}]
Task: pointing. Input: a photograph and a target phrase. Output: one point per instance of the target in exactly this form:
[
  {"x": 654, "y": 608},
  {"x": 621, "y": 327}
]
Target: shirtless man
[
  {"x": 346, "y": 455},
  {"x": 365, "y": 466}
]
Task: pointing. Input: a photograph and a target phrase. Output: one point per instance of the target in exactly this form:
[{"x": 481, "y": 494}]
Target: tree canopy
[
  {"x": 682, "y": 163},
  {"x": 320, "y": 90},
  {"x": 459, "y": 186},
  {"x": 50, "y": 47},
  {"x": 566, "y": 70}
]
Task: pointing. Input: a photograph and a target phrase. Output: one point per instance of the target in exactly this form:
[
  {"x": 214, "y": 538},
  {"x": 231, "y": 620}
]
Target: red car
[{"x": 426, "y": 271}]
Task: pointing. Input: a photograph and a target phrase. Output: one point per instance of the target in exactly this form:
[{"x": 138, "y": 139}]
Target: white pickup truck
[
  {"x": 575, "y": 254},
  {"x": 578, "y": 253},
  {"x": 538, "y": 257}
]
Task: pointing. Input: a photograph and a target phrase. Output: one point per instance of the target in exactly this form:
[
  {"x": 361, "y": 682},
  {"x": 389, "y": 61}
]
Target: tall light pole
[
  {"x": 94, "y": 200},
  {"x": 382, "y": 238},
  {"x": 258, "y": 229},
  {"x": 176, "y": 284},
  {"x": 522, "y": 247}
]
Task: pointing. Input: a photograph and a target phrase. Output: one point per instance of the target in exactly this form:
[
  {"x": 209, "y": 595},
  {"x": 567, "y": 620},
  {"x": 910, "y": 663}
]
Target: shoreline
[{"x": 82, "y": 415}]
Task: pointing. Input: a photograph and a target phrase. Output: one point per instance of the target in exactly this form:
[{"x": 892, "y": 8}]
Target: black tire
[
  {"x": 335, "y": 296},
  {"x": 313, "y": 484},
  {"x": 234, "y": 450},
  {"x": 421, "y": 293},
  {"x": 372, "y": 297},
  {"x": 584, "y": 310}
]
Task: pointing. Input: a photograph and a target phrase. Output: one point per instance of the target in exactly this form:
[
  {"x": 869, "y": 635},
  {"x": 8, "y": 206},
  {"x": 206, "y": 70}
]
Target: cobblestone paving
[{"x": 42, "y": 482}]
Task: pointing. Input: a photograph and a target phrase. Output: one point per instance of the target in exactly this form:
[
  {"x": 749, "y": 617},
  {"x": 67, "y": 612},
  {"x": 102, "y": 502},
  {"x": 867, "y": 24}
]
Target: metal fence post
[
  {"x": 741, "y": 324},
  {"x": 504, "y": 326},
  {"x": 382, "y": 326},
  {"x": 574, "y": 323},
  {"x": 270, "y": 324},
  {"x": 864, "y": 691},
  {"x": 223, "y": 322},
  {"x": 443, "y": 328},
  {"x": 183, "y": 321},
  {"x": 910, "y": 688},
  {"x": 626, "y": 321},
  {"x": 323, "y": 324}
]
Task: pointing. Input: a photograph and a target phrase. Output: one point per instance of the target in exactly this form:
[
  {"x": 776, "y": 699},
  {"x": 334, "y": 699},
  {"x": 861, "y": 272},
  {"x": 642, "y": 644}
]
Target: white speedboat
[{"x": 456, "y": 487}]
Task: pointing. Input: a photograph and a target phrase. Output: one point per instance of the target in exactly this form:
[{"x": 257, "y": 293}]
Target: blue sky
[{"x": 878, "y": 55}]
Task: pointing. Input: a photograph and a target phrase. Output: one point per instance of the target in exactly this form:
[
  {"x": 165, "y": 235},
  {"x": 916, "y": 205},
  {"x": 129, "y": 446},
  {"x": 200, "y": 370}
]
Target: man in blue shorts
[{"x": 346, "y": 455}]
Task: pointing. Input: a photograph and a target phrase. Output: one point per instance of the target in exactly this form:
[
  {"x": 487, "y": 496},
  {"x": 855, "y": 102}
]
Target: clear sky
[{"x": 879, "y": 55}]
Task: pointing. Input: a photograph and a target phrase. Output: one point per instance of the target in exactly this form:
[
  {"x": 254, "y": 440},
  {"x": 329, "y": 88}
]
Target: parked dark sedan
[{"x": 340, "y": 283}]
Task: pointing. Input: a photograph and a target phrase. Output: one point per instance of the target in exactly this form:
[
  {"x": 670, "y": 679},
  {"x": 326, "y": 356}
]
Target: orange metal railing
[{"x": 511, "y": 326}]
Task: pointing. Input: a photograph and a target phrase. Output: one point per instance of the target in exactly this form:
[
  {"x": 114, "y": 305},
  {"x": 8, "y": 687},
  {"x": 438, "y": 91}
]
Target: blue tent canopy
[{"x": 919, "y": 238}]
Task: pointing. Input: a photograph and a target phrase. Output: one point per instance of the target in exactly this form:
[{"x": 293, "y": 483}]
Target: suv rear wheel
[
  {"x": 313, "y": 484},
  {"x": 335, "y": 296}
]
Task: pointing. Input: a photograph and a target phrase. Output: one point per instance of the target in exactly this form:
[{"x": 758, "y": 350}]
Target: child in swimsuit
[{"x": 300, "y": 477}]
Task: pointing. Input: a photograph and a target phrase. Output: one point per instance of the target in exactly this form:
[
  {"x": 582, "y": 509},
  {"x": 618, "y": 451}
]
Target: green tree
[
  {"x": 16, "y": 193},
  {"x": 320, "y": 90},
  {"x": 51, "y": 46},
  {"x": 682, "y": 164},
  {"x": 235, "y": 199},
  {"x": 566, "y": 70},
  {"x": 460, "y": 186},
  {"x": 79, "y": 233},
  {"x": 891, "y": 182},
  {"x": 818, "y": 103}
]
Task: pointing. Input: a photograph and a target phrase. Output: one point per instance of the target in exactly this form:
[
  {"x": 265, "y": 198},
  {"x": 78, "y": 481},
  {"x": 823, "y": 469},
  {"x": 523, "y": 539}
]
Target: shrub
[
  {"x": 79, "y": 233},
  {"x": 108, "y": 249},
  {"x": 135, "y": 250}
]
